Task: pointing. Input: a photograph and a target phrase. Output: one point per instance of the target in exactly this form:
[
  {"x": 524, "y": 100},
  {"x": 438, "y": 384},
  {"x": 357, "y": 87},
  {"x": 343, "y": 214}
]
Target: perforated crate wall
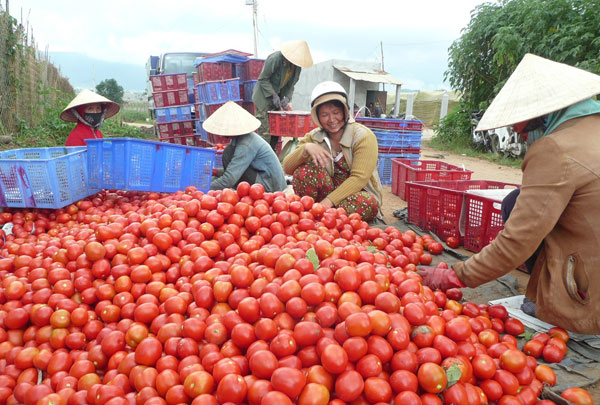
[
  {"x": 43, "y": 177},
  {"x": 140, "y": 165}
]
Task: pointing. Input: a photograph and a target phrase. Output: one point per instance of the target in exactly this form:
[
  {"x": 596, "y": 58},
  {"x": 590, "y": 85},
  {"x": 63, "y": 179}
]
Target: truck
[{"x": 171, "y": 62}]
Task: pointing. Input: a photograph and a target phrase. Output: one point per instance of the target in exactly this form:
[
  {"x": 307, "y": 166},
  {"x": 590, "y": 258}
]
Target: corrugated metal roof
[{"x": 374, "y": 76}]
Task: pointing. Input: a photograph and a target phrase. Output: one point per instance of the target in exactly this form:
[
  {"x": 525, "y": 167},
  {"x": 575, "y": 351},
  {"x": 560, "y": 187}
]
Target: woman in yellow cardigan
[{"x": 336, "y": 164}]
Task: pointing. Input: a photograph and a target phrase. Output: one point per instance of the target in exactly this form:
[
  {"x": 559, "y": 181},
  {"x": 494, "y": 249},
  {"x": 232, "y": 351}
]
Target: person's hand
[
  {"x": 276, "y": 101},
  {"x": 438, "y": 278},
  {"x": 327, "y": 203},
  {"x": 284, "y": 102},
  {"x": 319, "y": 156}
]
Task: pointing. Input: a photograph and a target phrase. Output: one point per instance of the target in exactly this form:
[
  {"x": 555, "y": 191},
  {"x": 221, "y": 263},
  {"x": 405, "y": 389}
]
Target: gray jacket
[{"x": 252, "y": 151}]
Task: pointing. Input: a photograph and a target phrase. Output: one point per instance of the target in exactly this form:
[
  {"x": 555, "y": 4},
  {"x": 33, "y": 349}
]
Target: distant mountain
[{"x": 86, "y": 72}]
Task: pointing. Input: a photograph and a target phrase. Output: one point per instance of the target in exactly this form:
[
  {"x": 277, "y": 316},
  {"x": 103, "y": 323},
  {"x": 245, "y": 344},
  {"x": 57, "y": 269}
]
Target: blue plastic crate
[
  {"x": 248, "y": 89},
  {"x": 219, "y": 159},
  {"x": 199, "y": 130},
  {"x": 170, "y": 114},
  {"x": 43, "y": 177},
  {"x": 217, "y": 92},
  {"x": 384, "y": 164},
  {"x": 398, "y": 139},
  {"x": 140, "y": 165}
]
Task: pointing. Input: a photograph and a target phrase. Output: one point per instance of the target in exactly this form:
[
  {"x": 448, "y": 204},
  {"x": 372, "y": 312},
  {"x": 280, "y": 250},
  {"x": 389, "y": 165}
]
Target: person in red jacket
[{"x": 89, "y": 110}]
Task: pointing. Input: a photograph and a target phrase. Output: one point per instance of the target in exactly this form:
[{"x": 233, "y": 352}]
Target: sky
[{"x": 415, "y": 34}]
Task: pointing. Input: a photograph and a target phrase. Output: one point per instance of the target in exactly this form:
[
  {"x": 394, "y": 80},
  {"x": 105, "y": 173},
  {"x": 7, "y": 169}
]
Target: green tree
[
  {"x": 110, "y": 89},
  {"x": 500, "y": 34}
]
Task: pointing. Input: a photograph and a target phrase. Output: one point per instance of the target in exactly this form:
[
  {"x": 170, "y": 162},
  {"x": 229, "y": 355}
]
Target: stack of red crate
[
  {"x": 247, "y": 73},
  {"x": 250, "y": 70},
  {"x": 170, "y": 92}
]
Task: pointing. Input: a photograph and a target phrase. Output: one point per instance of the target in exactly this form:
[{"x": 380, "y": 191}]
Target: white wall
[{"x": 323, "y": 71}]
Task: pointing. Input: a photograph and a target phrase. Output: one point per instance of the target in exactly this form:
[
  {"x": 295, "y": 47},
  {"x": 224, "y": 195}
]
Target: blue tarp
[{"x": 232, "y": 58}]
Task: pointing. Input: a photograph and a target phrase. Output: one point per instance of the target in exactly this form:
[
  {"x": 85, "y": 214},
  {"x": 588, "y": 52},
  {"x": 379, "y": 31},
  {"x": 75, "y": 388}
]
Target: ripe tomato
[
  {"x": 432, "y": 378},
  {"x": 349, "y": 385},
  {"x": 577, "y": 396},
  {"x": 288, "y": 380}
]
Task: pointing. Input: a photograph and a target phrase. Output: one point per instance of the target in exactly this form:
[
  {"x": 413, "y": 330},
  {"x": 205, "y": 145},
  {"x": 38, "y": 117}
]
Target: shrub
[{"x": 454, "y": 129}]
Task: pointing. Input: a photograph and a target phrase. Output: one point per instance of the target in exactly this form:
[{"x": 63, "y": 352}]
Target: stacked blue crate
[{"x": 392, "y": 144}]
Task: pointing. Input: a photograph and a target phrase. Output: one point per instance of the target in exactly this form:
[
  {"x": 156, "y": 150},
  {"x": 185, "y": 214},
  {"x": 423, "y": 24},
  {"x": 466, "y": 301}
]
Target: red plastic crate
[
  {"x": 189, "y": 140},
  {"x": 483, "y": 221},
  {"x": 217, "y": 139},
  {"x": 399, "y": 151},
  {"x": 249, "y": 106},
  {"x": 208, "y": 71},
  {"x": 196, "y": 78},
  {"x": 211, "y": 108},
  {"x": 389, "y": 123},
  {"x": 405, "y": 170},
  {"x": 170, "y": 98},
  {"x": 253, "y": 68},
  {"x": 176, "y": 128},
  {"x": 175, "y": 81},
  {"x": 437, "y": 206},
  {"x": 290, "y": 123}
]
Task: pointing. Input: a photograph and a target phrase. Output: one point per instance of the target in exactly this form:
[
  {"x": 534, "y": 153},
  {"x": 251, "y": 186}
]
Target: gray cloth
[{"x": 252, "y": 151}]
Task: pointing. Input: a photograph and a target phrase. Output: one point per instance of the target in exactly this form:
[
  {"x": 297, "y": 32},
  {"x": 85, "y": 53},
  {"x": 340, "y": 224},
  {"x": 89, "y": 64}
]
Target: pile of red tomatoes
[{"x": 242, "y": 297}]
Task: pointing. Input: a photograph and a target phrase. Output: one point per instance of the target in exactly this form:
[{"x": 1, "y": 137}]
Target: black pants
[
  {"x": 273, "y": 142},
  {"x": 507, "y": 206},
  {"x": 249, "y": 175}
]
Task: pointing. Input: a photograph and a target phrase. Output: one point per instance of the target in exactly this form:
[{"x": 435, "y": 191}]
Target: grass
[{"x": 461, "y": 148}]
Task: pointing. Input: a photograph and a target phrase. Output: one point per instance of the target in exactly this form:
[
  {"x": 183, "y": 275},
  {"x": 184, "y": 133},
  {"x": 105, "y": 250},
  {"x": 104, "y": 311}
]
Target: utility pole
[
  {"x": 382, "y": 67},
  {"x": 254, "y": 4}
]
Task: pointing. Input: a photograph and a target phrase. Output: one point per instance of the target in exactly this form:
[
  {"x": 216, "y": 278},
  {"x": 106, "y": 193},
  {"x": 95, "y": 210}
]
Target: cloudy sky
[{"x": 415, "y": 34}]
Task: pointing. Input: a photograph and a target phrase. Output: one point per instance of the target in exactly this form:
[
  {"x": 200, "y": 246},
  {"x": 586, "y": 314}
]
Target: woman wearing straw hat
[
  {"x": 276, "y": 82},
  {"x": 557, "y": 212},
  {"x": 336, "y": 164},
  {"x": 248, "y": 157},
  {"x": 89, "y": 110}
]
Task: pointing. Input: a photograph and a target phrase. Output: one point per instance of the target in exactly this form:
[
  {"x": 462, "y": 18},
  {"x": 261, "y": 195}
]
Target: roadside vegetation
[
  {"x": 495, "y": 41},
  {"x": 453, "y": 134},
  {"x": 52, "y": 131},
  {"x": 135, "y": 111}
]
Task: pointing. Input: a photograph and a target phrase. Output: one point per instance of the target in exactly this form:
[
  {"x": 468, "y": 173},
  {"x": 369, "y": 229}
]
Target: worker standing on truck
[
  {"x": 554, "y": 225},
  {"x": 276, "y": 82},
  {"x": 248, "y": 157},
  {"x": 89, "y": 110}
]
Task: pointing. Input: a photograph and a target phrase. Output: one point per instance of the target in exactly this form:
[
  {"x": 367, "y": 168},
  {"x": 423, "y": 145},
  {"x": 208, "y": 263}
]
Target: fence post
[
  {"x": 410, "y": 98},
  {"x": 444, "y": 108}
]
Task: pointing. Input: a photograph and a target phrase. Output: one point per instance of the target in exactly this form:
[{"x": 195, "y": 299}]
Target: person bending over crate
[
  {"x": 248, "y": 157},
  {"x": 555, "y": 220},
  {"x": 88, "y": 110},
  {"x": 276, "y": 82},
  {"x": 336, "y": 164}
]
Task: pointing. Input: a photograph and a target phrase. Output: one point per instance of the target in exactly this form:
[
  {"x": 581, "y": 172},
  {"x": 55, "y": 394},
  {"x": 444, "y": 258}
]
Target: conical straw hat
[
  {"x": 88, "y": 97},
  {"x": 231, "y": 120},
  {"x": 298, "y": 53},
  {"x": 537, "y": 87}
]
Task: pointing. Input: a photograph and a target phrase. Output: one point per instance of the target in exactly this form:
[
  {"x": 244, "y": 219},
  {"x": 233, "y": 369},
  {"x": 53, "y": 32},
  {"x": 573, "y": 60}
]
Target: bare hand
[
  {"x": 327, "y": 202},
  {"x": 319, "y": 155}
]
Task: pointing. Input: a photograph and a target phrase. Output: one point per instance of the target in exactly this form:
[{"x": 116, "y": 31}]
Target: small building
[{"x": 361, "y": 81}]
